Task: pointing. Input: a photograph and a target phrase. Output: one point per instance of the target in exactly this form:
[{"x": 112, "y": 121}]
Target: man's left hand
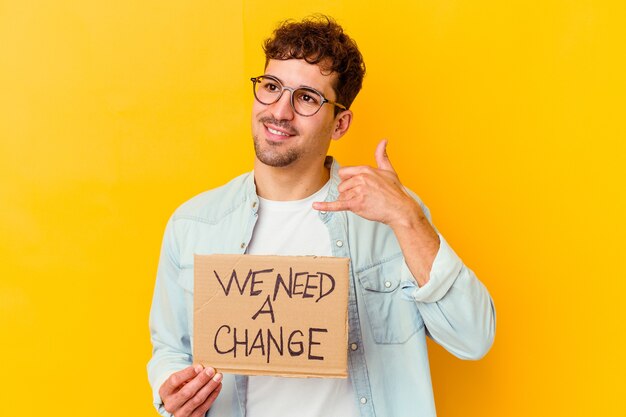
[{"x": 374, "y": 193}]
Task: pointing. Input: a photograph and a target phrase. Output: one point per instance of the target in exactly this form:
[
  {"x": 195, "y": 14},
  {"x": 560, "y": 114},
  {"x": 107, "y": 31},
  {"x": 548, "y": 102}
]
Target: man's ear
[{"x": 342, "y": 123}]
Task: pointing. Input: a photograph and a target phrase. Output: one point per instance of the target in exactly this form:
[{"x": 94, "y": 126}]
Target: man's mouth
[{"x": 276, "y": 132}]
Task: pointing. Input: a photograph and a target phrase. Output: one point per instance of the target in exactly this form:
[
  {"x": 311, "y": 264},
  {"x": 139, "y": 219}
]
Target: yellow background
[{"x": 507, "y": 117}]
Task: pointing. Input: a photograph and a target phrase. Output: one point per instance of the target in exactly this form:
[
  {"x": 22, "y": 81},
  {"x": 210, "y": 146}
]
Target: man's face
[{"x": 281, "y": 136}]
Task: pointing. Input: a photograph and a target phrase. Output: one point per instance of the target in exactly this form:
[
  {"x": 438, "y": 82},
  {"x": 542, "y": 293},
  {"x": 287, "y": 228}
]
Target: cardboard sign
[{"x": 271, "y": 315}]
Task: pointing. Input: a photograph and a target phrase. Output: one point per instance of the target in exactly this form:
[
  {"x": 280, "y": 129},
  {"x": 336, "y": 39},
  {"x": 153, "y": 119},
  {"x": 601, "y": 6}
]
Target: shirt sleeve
[
  {"x": 456, "y": 307},
  {"x": 169, "y": 321}
]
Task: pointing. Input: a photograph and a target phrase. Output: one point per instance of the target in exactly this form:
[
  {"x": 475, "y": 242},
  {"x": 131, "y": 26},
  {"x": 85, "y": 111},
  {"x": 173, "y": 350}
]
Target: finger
[
  {"x": 200, "y": 397},
  {"x": 382, "y": 159},
  {"x": 176, "y": 400},
  {"x": 332, "y": 205},
  {"x": 200, "y": 411},
  {"x": 345, "y": 196},
  {"x": 351, "y": 183},
  {"x": 346, "y": 173},
  {"x": 177, "y": 379}
]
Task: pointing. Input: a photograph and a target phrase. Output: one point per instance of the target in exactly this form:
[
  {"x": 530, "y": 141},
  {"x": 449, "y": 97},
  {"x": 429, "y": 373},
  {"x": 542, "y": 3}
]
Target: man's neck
[{"x": 289, "y": 183}]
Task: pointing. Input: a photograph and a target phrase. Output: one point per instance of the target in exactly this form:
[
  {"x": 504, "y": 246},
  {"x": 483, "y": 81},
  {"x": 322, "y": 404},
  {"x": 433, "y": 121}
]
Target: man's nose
[{"x": 282, "y": 109}]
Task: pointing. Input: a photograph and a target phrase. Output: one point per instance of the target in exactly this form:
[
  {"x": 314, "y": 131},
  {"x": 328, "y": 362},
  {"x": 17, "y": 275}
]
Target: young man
[{"x": 405, "y": 281}]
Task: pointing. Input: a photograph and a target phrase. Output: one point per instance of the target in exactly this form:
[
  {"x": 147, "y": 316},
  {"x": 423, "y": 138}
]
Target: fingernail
[
  {"x": 209, "y": 371},
  {"x": 197, "y": 368},
  {"x": 217, "y": 377}
]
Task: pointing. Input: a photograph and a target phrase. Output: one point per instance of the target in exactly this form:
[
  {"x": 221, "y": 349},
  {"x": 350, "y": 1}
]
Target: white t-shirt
[{"x": 295, "y": 228}]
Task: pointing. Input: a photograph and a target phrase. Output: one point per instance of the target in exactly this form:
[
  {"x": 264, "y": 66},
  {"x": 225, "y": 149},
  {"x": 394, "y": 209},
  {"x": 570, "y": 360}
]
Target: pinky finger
[{"x": 204, "y": 407}]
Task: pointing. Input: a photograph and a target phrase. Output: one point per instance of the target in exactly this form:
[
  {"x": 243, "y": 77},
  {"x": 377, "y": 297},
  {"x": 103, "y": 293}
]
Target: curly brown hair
[{"x": 320, "y": 40}]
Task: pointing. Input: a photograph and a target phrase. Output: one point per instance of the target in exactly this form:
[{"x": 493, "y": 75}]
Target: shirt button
[
  {"x": 254, "y": 204},
  {"x": 322, "y": 212},
  {"x": 363, "y": 400},
  {"x": 354, "y": 346},
  {"x": 387, "y": 284},
  {"x": 339, "y": 243},
  {"x": 243, "y": 245}
]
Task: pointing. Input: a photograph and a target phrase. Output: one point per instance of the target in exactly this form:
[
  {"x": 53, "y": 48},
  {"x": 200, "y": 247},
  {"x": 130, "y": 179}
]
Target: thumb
[{"x": 382, "y": 160}]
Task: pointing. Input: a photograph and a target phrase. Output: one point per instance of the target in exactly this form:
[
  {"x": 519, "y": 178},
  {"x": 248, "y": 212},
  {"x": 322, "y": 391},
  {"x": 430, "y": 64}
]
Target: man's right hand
[{"x": 191, "y": 392}]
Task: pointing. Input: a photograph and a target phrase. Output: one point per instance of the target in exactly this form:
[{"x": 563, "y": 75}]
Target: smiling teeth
[{"x": 276, "y": 132}]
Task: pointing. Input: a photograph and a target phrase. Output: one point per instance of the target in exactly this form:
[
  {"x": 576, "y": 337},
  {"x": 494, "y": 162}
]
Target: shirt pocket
[{"x": 393, "y": 318}]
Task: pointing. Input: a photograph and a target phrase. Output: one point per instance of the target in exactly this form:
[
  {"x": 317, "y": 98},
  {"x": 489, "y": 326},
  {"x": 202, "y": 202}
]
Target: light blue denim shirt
[{"x": 389, "y": 314}]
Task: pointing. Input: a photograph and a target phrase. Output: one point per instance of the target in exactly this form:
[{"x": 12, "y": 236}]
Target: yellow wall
[{"x": 507, "y": 117}]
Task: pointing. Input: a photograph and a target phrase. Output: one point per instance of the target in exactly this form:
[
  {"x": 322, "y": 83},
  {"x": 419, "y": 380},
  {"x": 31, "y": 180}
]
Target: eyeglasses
[{"x": 305, "y": 101}]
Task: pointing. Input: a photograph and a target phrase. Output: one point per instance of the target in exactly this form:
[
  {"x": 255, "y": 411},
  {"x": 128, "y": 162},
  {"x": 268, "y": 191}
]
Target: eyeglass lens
[{"x": 305, "y": 101}]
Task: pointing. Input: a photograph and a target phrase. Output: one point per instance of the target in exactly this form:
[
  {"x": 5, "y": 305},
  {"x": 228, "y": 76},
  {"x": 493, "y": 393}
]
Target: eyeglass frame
[{"x": 292, "y": 90}]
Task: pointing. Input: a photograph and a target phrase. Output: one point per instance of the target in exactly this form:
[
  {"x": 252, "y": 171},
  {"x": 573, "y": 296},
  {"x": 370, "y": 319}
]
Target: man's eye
[
  {"x": 308, "y": 98},
  {"x": 271, "y": 87}
]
